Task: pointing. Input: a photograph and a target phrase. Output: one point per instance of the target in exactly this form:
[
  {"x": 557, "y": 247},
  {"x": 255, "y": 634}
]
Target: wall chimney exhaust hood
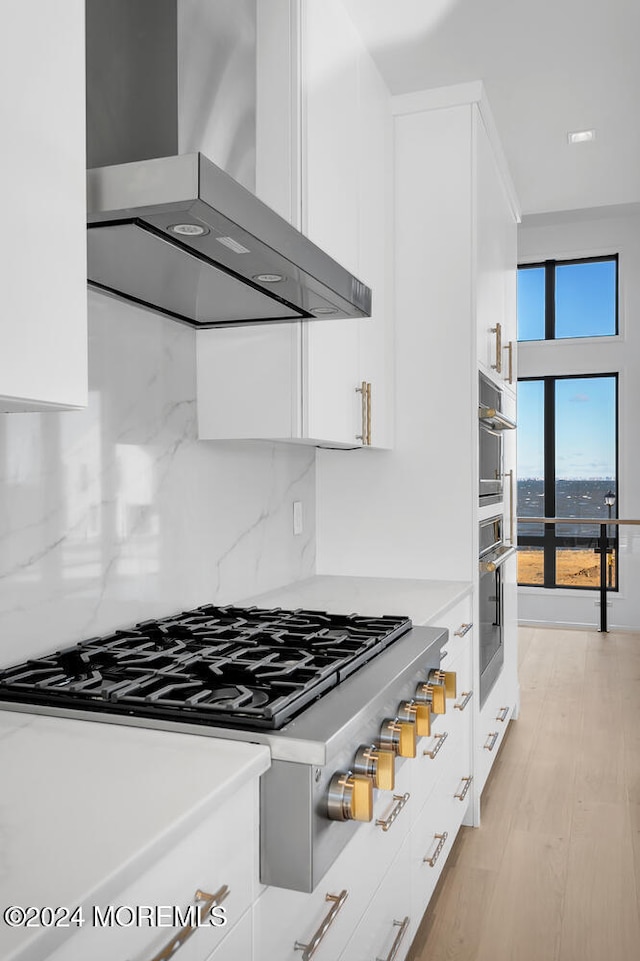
[{"x": 175, "y": 233}]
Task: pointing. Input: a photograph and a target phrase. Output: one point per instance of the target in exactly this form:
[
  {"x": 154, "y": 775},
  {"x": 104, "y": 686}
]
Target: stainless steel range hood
[{"x": 174, "y": 233}]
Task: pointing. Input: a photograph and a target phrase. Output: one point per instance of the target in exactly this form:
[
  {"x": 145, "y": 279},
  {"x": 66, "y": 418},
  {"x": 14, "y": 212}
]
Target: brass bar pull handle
[
  {"x": 362, "y": 390},
  {"x": 441, "y": 738},
  {"x": 462, "y": 630},
  {"x": 503, "y": 714},
  {"x": 308, "y": 950},
  {"x": 204, "y": 903},
  {"x": 491, "y": 741},
  {"x": 368, "y": 415},
  {"x": 497, "y": 330},
  {"x": 397, "y": 941},
  {"x": 442, "y": 840},
  {"x": 509, "y": 474},
  {"x": 461, "y": 795},
  {"x": 509, "y": 347},
  {"x": 466, "y": 697},
  {"x": 401, "y": 800}
]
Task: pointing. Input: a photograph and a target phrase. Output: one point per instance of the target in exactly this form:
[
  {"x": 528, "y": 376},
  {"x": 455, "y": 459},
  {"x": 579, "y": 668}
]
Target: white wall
[
  {"x": 117, "y": 513},
  {"x": 576, "y": 236}
]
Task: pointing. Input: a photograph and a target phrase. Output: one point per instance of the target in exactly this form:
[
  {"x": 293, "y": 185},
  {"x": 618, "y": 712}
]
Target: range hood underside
[{"x": 213, "y": 279}]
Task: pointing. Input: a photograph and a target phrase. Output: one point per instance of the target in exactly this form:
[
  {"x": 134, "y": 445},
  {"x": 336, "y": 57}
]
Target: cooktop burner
[{"x": 228, "y": 666}]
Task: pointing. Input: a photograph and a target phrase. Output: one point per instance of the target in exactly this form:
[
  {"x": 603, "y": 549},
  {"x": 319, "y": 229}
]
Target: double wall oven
[{"x": 492, "y": 547}]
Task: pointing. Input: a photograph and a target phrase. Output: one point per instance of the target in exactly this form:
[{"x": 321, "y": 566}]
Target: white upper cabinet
[
  {"x": 43, "y": 330},
  {"x": 496, "y": 265},
  {"x": 324, "y": 161}
]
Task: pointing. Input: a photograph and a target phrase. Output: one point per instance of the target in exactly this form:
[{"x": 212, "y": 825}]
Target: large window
[
  {"x": 567, "y": 465},
  {"x": 558, "y": 299}
]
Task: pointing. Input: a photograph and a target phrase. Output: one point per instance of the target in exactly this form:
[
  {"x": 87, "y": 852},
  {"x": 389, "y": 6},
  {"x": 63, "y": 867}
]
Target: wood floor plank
[
  {"x": 600, "y": 918},
  {"x": 553, "y": 873},
  {"x": 524, "y": 920}
]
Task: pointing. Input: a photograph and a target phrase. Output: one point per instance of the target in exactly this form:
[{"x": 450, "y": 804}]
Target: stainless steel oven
[
  {"x": 493, "y": 553},
  {"x": 492, "y": 422}
]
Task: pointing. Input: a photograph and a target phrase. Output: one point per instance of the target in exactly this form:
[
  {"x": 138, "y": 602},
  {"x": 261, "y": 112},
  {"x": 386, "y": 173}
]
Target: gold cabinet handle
[
  {"x": 466, "y": 697},
  {"x": 509, "y": 347},
  {"x": 365, "y": 413},
  {"x": 497, "y": 330},
  {"x": 308, "y": 950},
  {"x": 461, "y": 795},
  {"x": 397, "y": 941},
  {"x": 362, "y": 390},
  {"x": 441, "y": 738},
  {"x": 204, "y": 903},
  {"x": 462, "y": 630},
  {"x": 503, "y": 714},
  {"x": 491, "y": 741},
  {"x": 509, "y": 474},
  {"x": 442, "y": 840},
  {"x": 401, "y": 800}
]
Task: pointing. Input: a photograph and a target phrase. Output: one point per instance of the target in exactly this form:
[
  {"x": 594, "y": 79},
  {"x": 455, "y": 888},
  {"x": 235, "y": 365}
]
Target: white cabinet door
[
  {"x": 496, "y": 265},
  {"x": 221, "y": 852},
  {"x": 334, "y": 181},
  {"x": 384, "y": 931},
  {"x": 43, "y": 332}
]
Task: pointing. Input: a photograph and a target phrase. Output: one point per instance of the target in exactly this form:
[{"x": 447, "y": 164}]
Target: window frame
[
  {"x": 550, "y": 540},
  {"x": 549, "y": 266}
]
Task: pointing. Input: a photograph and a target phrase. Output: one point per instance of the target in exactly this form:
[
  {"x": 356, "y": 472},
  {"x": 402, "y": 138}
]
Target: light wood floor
[{"x": 553, "y": 873}]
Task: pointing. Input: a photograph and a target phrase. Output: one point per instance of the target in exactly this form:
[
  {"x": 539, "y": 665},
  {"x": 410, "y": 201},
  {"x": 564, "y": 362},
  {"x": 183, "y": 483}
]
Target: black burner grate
[{"x": 229, "y": 666}]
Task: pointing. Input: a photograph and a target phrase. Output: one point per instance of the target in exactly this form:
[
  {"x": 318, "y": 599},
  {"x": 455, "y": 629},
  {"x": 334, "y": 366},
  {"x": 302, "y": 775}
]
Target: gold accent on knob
[
  {"x": 361, "y": 798},
  {"x": 407, "y": 739},
  {"x": 437, "y": 681},
  {"x": 385, "y": 770},
  {"x": 423, "y": 720},
  {"x": 450, "y": 684}
]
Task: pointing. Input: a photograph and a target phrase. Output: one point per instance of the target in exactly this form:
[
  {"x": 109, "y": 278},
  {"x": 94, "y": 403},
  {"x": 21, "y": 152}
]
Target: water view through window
[{"x": 566, "y": 467}]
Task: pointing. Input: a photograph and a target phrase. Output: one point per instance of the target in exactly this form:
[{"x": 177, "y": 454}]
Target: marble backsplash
[{"x": 118, "y": 513}]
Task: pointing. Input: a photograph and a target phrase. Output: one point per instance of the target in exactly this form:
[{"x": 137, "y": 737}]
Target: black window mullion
[
  {"x": 549, "y": 480},
  {"x": 549, "y": 299}
]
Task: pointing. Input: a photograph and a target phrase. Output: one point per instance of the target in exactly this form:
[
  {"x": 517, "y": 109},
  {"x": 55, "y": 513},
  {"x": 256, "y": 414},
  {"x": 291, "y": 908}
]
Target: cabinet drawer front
[
  {"x": 457, "y": 621},
  {"x": 283, "y": 917},
  {"x": 386, "y": 926},
  {"x": 220, "y": 851},
  {"x": 493, "y": 722}
]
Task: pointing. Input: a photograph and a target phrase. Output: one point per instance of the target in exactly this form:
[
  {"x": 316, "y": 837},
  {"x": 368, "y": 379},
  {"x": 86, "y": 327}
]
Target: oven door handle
[
  {"x": 491, "y": 417},
  {"x": 488, "y": 567}
]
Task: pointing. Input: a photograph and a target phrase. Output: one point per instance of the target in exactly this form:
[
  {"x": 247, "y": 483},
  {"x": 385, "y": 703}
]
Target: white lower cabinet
[
  {"x": 493, "y": 721},
  {"x": 386, "y": 926},
  {"x": 219, "y": 857}
]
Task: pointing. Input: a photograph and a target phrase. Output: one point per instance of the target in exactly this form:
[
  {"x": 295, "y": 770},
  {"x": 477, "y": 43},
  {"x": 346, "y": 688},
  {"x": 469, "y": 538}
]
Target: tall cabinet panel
[
  {"x": 416, "y": 512},
  {"x": 43, "y": 333}
]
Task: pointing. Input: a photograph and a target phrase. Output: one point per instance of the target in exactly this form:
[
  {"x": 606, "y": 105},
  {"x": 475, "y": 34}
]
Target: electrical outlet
[{"x": 298, "y": 523}]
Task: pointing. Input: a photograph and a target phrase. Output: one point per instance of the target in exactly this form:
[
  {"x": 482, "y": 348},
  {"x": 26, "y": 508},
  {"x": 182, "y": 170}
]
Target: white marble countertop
[
  {"x": 86, "y": 807},
  {"x": 421, "y": 600}
]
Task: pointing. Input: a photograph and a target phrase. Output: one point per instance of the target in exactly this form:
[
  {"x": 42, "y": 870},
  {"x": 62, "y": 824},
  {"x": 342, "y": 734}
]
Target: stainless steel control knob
[
  {"x": 399, "y": 736},
  {"x": 419, "y": 714},
  {"x": 378, "y": 764},
  {"x": 448, "y": 678},
  {"x": 350, "y": 797}
]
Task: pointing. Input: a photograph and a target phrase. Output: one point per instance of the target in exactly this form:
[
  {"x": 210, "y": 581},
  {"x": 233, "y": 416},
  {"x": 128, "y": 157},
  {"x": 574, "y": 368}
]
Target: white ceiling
[{"x": 548, "y": 66}]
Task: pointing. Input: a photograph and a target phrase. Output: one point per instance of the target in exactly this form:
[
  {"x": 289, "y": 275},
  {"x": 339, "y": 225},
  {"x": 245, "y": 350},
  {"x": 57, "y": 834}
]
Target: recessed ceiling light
[
  {"x": 188, "y": 230},
  {"x": 268, "y": 278},
  {"x": 323, "y": 310},
  {"x": 581, "y": 136}
]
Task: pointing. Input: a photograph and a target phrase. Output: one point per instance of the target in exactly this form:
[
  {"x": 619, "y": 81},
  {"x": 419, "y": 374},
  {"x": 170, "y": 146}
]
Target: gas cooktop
[{"x": 225, "y": 666}]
